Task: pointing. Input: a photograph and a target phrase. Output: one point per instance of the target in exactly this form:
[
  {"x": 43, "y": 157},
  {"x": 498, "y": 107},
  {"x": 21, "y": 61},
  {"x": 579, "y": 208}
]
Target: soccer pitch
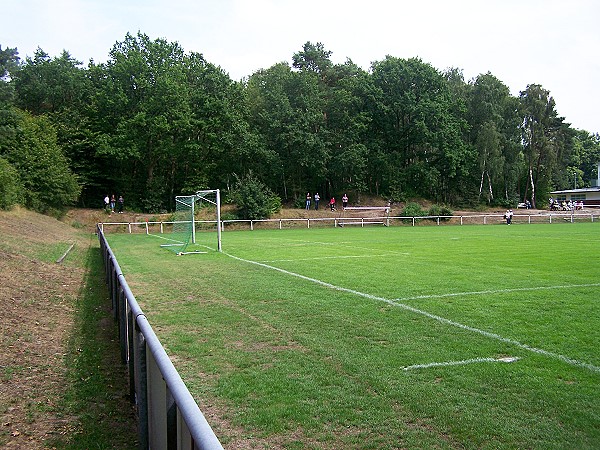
[{"x": 402, "y": 337}]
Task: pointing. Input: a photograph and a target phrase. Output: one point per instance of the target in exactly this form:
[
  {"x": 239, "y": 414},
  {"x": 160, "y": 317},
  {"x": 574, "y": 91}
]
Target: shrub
[
  {"x": 438, "y": 210},
  {"x": 11, "y": 190},
  {"x": 412, "y": 209},
  {"x": 254, "y": 200}
]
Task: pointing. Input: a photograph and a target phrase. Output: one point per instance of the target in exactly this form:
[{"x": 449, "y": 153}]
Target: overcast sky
[{"x": 554, "y": 43}]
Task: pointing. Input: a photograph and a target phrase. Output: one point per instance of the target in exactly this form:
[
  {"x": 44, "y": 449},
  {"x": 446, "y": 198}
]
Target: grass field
[{"x": 402, "y": 337}]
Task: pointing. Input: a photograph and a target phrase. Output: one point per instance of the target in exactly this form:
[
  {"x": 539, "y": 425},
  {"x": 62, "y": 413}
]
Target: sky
[{"x": 553, "y": 43}]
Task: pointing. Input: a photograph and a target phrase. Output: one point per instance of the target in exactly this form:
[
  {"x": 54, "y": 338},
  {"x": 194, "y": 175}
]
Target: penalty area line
[
  {"x": 497, "y": 291},
  {"x": 494, "y": 336},
  {"x": 323, "y": 257},
  {"x": 464, "y": 362}
]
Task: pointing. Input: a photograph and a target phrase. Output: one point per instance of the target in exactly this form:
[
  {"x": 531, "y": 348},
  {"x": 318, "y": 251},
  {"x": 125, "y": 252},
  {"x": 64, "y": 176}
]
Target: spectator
[
  {"x": 308, "y": 198},
  {"x": 344, "y": 201},
  {"x": 121, "y": 203},
  {"x": 317, "y": 198}
]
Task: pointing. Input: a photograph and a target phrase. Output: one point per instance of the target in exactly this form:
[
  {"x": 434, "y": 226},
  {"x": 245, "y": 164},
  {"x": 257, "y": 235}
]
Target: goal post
[{"x": 187, "y": 227}]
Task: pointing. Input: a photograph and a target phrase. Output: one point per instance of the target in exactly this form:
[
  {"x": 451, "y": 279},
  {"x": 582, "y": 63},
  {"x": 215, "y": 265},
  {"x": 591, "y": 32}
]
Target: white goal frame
[
  {"x": 202, "y": 195},
  {"x": 190, "y": 200}
]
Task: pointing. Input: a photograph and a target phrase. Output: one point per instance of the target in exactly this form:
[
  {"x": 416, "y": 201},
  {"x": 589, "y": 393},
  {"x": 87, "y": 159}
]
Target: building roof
[{"x": 578, "y": 191}]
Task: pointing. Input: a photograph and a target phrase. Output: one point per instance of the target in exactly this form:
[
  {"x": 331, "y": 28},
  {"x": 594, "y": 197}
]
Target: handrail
[
  {"x": 172, "y": 421},
  {"x": 337, "y": 220}
]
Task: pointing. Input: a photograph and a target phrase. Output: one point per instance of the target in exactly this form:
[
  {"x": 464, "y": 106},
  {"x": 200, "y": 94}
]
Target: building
[{"x": 590, "y": 196}]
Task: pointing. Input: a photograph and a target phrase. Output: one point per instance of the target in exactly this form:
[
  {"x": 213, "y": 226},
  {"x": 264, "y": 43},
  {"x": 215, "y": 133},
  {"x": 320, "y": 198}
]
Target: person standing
[
  {"x": 113, "y": 202},
  {"x": 106, "y": 203},
  {"x": 344, "y": 201},
  {"x": 121, "y": 203},
  {"x": 317, "y": 198},
  {"x": 308, "y": 198}
]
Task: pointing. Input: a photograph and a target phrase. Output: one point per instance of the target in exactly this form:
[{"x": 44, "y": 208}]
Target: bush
[
  {"x": 254, "y": 200},
  {"x": 437, "y": 210},
  {"x": 412, "y": 209},
  {"x": 11, "y": 190}
]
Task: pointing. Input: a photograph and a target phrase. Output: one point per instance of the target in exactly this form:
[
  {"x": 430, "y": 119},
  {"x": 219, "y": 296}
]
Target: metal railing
[
  {"x": 471, "y": 219},
  {"x": 168, "y": 416}
]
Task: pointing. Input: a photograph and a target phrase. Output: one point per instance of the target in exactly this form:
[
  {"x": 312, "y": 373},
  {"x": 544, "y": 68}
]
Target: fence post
[
  {"x": 142, "y": 392},
  {"x": 461, "y": 220}
]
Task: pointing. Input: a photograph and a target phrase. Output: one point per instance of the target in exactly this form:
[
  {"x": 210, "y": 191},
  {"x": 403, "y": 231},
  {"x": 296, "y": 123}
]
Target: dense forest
[{"x": 154, "y": 122}]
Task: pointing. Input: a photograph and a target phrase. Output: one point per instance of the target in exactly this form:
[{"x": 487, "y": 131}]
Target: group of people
[
  {"x": 332, "y": 201},
  {"x": 557, "y": 205},
  {"x": 110, "y": 203}
]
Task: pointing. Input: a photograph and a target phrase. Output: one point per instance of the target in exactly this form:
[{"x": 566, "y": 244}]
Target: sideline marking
[
  {"x": 565, "y": 359},
  {"x": 496, "y": 291},
  {"x": 506, "y": 359}
]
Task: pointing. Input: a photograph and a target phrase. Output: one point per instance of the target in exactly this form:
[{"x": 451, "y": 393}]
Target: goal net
[{"x": 196, "y": 223}]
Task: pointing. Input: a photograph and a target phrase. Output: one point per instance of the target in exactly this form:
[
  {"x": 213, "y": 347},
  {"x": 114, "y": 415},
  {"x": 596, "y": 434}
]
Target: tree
[
  {"x": 313, "y": 58},
  {"x": 347, "y": 123},
  {"x": 287, "y": 109},
  {"x": 584, "y": 160},
  {"x": 9, "y": 65},
  {"x": 141, "y": 114},
  {"x": 495, "y": 135},
  {"x": 419, "y": 137},
  {"x": 542, "y": 133},
  {"x": 28, "y": 143}
]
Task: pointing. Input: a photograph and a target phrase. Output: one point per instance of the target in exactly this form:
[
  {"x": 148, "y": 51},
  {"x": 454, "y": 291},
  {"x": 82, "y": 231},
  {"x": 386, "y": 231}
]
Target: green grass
[{"x": 315, "y": 357}]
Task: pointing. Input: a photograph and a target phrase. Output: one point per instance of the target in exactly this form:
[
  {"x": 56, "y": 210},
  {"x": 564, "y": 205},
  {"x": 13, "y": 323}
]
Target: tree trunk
[
  {"x": 490, "y": 187},
  {"x": 532, "y": 187}
]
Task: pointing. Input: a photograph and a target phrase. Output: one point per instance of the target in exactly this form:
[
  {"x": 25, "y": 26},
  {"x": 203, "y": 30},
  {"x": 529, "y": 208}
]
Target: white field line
[
  {"x": 165, "y": 238},
  {"x": 323, "y": 257},
  {"x": 462, "y": 363},
  {"x": 497, "y": 291},
  {"x": 440, "y": 319},
  {"x": 342, "y": 244}
]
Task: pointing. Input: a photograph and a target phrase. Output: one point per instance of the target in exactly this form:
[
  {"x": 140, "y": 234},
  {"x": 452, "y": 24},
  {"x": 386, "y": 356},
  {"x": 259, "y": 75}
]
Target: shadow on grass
[{"x": 97, "y": 396}]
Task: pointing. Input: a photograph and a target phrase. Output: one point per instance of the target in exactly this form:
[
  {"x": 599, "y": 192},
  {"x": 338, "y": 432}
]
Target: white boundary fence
[
  {"x": 168, "y": 416},
  {"x": 474, "y": 219}
]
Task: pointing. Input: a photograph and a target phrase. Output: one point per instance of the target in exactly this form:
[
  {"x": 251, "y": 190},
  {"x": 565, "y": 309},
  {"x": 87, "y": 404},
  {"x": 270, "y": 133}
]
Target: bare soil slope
[{"x": 38, "y": 299}]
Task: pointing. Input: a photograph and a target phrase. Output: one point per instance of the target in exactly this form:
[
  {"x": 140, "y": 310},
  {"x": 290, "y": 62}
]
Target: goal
[
  {"x": 364, "y": 215},
  {"x": 196, "y": 223}
]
